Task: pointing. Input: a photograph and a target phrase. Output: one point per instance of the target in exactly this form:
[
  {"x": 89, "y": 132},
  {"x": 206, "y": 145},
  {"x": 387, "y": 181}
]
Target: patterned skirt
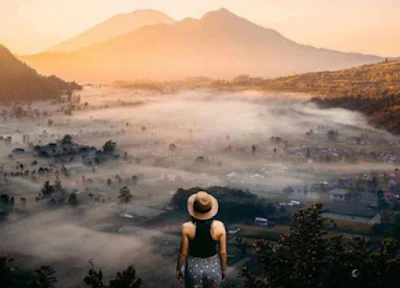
[{"x": 203, "y": 272}]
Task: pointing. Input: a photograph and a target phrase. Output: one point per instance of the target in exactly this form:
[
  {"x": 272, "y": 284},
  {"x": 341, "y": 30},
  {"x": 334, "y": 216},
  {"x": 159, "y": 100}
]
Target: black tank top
[{"x": 202, "y": 245}]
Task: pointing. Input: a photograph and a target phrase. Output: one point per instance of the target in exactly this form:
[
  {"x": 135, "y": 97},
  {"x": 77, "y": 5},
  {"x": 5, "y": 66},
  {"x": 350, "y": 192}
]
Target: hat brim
[{"x": 202, "y": 216}]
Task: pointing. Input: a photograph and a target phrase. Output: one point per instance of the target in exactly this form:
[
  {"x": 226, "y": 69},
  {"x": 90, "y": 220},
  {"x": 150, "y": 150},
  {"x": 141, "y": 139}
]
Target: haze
[
  {"x": 366, "y": 26},
  {"x": 193, "y": 122}
]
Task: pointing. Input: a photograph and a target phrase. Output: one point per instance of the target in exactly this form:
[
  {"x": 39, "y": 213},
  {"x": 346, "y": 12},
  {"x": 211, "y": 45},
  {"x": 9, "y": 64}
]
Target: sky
[{"x": 366, "y": 26}]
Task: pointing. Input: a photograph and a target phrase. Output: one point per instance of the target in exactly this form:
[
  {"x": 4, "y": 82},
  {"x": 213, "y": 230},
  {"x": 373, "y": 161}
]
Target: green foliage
[
  {"x": 124, "y": 279},
  {"x": 7, "y": 278},
  {"x": 239, "y": 242},
  {"x": 125, "y": 195},
  {"x": 306, "y": 258},
  {"x": 67, "y": 139},
  {"x": 109, "y": 147},
  {"x": 6, "y": 200},
  {"x": 57, "y": 185},
  {"x": 235, "y": 205},
  {"x": 44, "y": 278},
  {"x": 73, "y": 199},
  {"x": 47, "y": 189}
]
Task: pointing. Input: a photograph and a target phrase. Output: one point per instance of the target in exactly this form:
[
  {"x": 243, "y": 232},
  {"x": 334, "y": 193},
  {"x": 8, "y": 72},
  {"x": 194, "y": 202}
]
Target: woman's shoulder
[
  {"x": 218, "y": 224},
  {"x": 188, "y": 225}
]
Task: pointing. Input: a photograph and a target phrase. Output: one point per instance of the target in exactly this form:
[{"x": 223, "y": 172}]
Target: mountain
[
  {"x": 20, "y": 82},
  {"x": 219, "y": 45},
  {"x": 113, "y": 27}
]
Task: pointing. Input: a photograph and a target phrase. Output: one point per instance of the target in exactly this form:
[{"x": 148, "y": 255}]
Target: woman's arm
[
  {"x": 184, "y": 249},
  {"x": 222, "y": 249}
]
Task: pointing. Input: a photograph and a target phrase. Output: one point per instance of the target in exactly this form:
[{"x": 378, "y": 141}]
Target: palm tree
[{"x": 45, "y": 277}]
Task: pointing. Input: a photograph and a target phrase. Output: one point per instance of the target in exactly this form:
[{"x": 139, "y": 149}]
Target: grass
[
  {"x": 353, "y": 227},
  {"x": 268, "y": 233},
  {"x": 350, "y": 209}
]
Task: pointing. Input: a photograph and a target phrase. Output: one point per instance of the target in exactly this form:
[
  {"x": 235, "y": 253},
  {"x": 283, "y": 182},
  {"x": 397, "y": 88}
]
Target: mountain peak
[
  {"x": 222, "y": 13},
  {"x": 224, "y": 10},
  {"x": 118, "y": 25},
  {"x": 144, "y": 12}
]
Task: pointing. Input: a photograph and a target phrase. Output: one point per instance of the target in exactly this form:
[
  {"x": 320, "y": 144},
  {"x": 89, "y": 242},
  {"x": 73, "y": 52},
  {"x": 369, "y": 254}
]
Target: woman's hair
[{"x": 202, "y": 225}]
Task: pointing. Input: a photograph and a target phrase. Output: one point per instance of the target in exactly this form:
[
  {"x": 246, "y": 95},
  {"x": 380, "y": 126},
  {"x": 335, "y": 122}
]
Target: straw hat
[{"x": 202, "y": 206}]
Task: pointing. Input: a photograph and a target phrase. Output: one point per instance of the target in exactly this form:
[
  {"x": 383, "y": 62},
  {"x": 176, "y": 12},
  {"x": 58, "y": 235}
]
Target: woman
[{"x": 205, "y": 267}]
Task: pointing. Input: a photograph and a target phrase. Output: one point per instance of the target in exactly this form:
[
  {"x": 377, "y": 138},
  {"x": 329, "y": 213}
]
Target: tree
[
  {"x": 308, "y": 154},
  {"x": 306, "y": 257},
  {"x": 332, "y": 135},
  {"x": 57, "y": 185},
  {"x": 5, "y": 199},
  {"x": 47, "y": 189},
  {"x": 73, "y": 199},
  {"x": 172, "y": 147},
  {"x": 125, "y": 195},
  {"x": 124, "y": 279},
  {"x": 7, "y": 278},
  {"x": 67, "y": 139},
  {"x": 109, "y": 182},
  {"x": 109, "y": 147},
  {"x": 241, "y": 245},
  {"x": 44, "y": 277},
  {"x": 374, "y": 184}
]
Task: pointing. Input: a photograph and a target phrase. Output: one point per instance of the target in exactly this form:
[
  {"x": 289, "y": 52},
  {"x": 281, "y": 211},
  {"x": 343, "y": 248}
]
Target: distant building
[
  {"x": 339, "y": 194},
  {"x": 261, "y": 221},
  {"x": 294, "y": 203},
  {"x": 391, "y": 198},
  {"x": 234, "y": 231}
]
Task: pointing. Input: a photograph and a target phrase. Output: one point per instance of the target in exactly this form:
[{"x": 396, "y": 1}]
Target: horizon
[{"x": 304, "y": 23}]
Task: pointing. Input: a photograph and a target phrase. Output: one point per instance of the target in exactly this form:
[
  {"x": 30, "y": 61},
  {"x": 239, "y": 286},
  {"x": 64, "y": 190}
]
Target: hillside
[
  {"x": 219, "y": 45},
  {"x": 20, "y": 82},
  {"x": 113, "y": 27},
  {"x": 373, "y": 90}
]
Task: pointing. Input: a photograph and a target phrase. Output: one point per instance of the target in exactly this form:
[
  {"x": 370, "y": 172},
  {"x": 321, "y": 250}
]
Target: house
[
  {"x": 294, "y": 203},
  {"x": 339, "y": 194},
  {"x": 261, "y": 221},
  {"x": 391, "y": 198},
  {"x": 234, "y": 231}
]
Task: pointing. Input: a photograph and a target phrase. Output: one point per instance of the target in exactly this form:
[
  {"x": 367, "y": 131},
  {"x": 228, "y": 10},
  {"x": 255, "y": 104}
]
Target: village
[{"x": 98, "y": 157}]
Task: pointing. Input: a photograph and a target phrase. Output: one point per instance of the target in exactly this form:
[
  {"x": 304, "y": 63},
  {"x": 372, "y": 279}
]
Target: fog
[{"x": 201, "y": 123}]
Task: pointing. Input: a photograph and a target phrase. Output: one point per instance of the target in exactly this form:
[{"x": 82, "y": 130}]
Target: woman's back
[
  {"x": 203, "y": 266},
  {"x": 203, "y": 244},
  {"x": 200, "y": 238}
]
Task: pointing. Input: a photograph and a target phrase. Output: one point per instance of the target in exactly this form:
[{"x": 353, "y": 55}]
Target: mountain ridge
[
  {"x": 20, "y": 82},
  {"x": 117, "y": 25},
  {"x": 219, "y": 45}
]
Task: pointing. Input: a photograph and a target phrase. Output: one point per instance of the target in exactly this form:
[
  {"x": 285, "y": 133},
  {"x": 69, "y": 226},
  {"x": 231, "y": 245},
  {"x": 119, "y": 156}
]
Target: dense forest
[
  {"x": 307, "y": 257},
  {"x": 19, "y": 82}
]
